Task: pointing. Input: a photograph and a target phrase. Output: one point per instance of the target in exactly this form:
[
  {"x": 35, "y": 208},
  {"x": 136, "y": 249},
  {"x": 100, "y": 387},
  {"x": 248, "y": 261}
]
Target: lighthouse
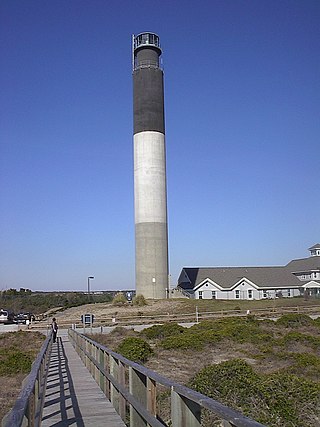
[{"x": 150, "y": 188}]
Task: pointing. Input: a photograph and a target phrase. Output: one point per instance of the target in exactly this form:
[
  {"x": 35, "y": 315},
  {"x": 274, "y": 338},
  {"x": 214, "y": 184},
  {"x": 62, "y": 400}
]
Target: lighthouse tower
[{"x": 150, "y": 193}]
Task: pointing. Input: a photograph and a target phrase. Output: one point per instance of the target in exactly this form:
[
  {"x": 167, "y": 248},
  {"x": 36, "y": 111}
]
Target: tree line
[{"x": 24, "y": 300}]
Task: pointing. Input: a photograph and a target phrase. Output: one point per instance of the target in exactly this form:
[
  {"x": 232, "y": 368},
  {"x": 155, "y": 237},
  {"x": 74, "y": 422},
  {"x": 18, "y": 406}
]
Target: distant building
[{"x": 298, "y": 277}]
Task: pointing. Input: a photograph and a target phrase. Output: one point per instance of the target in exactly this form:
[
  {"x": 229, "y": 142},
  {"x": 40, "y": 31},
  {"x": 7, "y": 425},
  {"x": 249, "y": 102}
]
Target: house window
[
  {"x": 237, "y": 294},
  {"x": 289, "y": 292},
  {"x": 200, "y": 294},
  {"x": 265, "y": 294},
  {"x": 213, "y": 294},
  {"x": 250, "y": 294}
]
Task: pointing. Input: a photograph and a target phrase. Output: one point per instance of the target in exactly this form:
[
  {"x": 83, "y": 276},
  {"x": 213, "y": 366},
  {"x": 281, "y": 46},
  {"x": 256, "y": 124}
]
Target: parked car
[
  {"x": 6, "y": 316},
  {"x": 22, "y": 318}
]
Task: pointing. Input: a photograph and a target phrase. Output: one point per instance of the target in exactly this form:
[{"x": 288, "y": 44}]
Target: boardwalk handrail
[
  {"x": 132, "y": 389},
  {"x": 28, "y": 407}
]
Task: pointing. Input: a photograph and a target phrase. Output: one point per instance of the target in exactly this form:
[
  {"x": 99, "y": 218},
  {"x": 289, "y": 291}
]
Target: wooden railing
[
  {"x": 132, "y": 389},
  {"x": 27, "y": 410}
]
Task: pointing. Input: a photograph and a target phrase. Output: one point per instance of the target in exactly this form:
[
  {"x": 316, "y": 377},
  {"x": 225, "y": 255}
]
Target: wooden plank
[{"x": 72, "y": 395}]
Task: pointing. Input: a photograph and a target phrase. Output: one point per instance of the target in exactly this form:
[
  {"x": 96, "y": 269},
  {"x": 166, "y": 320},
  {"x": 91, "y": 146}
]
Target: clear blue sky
[{"x": 242, "y": 101}]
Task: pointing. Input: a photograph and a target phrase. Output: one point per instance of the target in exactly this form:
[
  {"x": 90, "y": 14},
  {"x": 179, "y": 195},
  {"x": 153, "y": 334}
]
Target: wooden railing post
[
  {"x": 138, "y": 389},
  {"x": 102, "y": 381},
  {"x": 31, "y": 410},
  {"x": 114, "y": 371},
  {"x": 184, "y": 412},
  {"x": 152, "y": 397},
  {"x": 107, "y": 369},
  {"x": 122, "y": 382},
  {"x": 96, "y": 368}
]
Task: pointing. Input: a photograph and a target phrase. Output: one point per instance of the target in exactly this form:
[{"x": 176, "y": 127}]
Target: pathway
[{"x": 73, "y": 398}]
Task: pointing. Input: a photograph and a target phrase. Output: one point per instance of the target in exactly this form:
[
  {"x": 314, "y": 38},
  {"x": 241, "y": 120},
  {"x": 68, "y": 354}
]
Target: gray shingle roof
[
  {"x": 304, "y": 264},
  {"x": 227, "y": 277},
  {"x": 316, "y": 246}
]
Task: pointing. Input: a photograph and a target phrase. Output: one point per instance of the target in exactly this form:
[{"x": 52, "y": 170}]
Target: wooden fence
[
  {"x": 27, "y": 410},
  {"x": 132, "y": 389},
  {"x": 194, "y": 317}
]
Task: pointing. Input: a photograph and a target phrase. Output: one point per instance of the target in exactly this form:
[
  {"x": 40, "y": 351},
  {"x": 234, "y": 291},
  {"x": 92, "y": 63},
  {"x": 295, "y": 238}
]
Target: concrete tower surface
[{"x": 150, "y": 189}]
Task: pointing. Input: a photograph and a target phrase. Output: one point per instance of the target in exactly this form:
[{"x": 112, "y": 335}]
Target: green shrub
[
  {"x": 232, "y": 378},
  {"x": 135, "y": 349},
  {"x": 295, "y": 337},
  {"x": 13, "y": 361},
  {"x": 209, "y": 332},
  {"x": 294, "y": 320},
  {"x": 243, "y": 330},
  {"x": 119, "y": 299},
  {"x": 139, "y": 300},
  {"x": 162, "y": 331},
  {"x": 316, "y": 322},
  {"x": 275, "y": 399},
  {"x": 204, "y": 325},
  {"x": 183, "y": 341},
  {"x": 291, "y": 400},
  {"x": 305, "y": 365}
]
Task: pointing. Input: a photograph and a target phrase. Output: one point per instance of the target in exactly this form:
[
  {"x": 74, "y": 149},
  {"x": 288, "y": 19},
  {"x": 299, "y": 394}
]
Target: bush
[
  {"x": 183, "y": 341},
  {"x": 139, "y": 300},
  {"x": 293, "y": 320},
  {"x": 295, "y": 337},
  {"x": 162, "y": 331},
  {"x": 274, "y": 399},
  {"x": 119, "y": 331},
  {"x": 13, "y": 361},
  {"x": 209, "y": 332},
  {"x": 119, "y": 299},
  {"x": 305, "y": 365},
  {"x": 292, "y": 401},
  {"x": 204, "y": 325},
  {"x": 135, "y": 349},
  {"x": 232, "y": 378},
  {"x": 316, "y": 322},
  {"x": 244, "y": 329}
]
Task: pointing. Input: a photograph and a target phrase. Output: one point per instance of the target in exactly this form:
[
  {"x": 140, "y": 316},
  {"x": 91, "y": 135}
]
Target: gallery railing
[
  {"x": 132, "y": 389},
  {"x": 28, "y": 407}
]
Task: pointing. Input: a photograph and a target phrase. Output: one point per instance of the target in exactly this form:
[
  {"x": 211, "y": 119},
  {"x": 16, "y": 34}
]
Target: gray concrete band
[{"x": 151, "y": 260}]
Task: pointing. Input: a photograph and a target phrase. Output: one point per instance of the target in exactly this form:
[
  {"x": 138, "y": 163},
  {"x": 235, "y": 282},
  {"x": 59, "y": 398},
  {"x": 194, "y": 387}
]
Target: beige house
[{"x": 298, "y": 277}]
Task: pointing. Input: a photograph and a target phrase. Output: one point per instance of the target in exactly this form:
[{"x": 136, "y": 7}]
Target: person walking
[{"x": 54, "y": 329}]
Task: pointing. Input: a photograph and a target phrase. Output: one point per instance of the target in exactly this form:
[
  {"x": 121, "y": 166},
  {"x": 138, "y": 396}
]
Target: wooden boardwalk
[{"x": 73, "y": 398}]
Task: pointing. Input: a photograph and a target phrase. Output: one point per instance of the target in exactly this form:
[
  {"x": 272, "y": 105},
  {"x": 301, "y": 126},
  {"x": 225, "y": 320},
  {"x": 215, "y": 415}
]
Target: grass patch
[{"x": 17, "y": 352}]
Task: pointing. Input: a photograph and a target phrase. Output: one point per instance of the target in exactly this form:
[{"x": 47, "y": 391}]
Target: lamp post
[{"x": 89, "y": 278}]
